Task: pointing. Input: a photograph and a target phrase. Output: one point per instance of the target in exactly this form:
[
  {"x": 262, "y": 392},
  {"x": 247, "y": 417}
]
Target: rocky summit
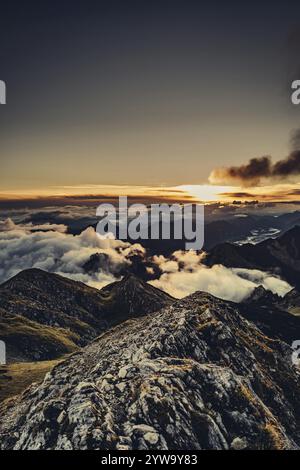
[{"x": 192, "y": 375}]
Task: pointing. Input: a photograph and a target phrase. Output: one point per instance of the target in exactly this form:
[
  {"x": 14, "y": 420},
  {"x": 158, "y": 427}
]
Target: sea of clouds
[{"x": 49, "y": 247}]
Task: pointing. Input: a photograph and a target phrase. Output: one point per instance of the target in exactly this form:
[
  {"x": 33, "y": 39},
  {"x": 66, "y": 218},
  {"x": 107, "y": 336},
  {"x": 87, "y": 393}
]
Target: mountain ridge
[
  {"x": 62, "y": 311},
  {"x": 193, "y": 375},
  {"x": 280, "y": 255}
]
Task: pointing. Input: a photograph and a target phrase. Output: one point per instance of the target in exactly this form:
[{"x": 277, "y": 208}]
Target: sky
[{"x": 146, "y": 93}]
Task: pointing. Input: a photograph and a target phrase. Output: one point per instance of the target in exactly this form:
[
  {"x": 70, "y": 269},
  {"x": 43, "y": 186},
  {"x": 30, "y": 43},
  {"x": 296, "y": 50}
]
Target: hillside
[{"x": 43, "y": 315}]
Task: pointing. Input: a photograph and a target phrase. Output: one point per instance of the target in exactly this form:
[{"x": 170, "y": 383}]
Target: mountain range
[
  {"x": 130, "y": 367},
  {"x": 194, "y": 374},
  {"x": 280, "y": 256},
  {"x": 277, "y": 317}
]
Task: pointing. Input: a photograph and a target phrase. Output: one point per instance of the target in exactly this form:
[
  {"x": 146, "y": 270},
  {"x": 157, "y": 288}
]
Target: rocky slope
[
  {"x": 43, "y": 315},
  {"x": 193, "y": 375}
]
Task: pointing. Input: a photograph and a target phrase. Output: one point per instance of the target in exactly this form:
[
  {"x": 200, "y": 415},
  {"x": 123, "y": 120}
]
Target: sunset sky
[{"x": 154, "y": 95}]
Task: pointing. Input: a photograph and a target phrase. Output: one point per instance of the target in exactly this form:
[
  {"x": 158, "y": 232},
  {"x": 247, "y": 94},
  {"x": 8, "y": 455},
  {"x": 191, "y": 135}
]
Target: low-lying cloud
[
  {"x": 50, "y": 248},
  {"x": 233, "y": 284},
  {"x": 22, "y": 247}
]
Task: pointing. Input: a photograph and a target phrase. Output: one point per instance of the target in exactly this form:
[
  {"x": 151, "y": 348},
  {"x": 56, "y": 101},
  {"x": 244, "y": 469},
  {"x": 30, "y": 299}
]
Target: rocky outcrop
[{"x": 193, "y": 375}]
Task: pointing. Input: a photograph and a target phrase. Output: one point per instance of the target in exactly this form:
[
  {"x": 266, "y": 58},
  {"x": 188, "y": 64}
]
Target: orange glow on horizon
[{"x": 205, "y": 193}]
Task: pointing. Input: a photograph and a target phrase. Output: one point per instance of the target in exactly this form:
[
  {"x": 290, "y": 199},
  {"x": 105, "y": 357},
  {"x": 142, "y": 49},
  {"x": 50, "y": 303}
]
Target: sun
[{"x": 207, "y": 192}]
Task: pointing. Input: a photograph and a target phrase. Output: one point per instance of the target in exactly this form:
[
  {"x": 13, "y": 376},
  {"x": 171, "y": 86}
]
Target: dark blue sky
[{"x": 124, "y": 92}]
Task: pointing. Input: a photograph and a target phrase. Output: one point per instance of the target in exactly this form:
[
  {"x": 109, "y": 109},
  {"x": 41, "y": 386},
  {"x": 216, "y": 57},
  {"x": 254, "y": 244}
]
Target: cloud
[
  {"x": 238, "y": 195},
  {"x": 258, "y": 169},
  {"x": 219, "y": 281},
  {"x": 245, "y": 175},
  {"x": 27, "y": 246},
  {"x": 80, "y": 196},
  {"x": 295, "y": 139},
  {"x": 226, "y": 283},
  {"x": 22, "y": 247},
  {"x": 8, "y": 224},
  {"x": 75, "y": 218},
  {"x": 288, "y": 167},
  {"x": 269, "y": 282}
]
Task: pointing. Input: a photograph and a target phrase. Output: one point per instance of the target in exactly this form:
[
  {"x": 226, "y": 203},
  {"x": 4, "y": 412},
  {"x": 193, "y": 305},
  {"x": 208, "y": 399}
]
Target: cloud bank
[
  {"x": 55, "y": 251},
  {"x": 50, "y": 248},
  {"x": 234, "y": 284}
]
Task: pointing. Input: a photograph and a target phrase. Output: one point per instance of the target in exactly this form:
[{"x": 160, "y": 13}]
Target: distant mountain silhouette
[
  {"x": 224, "y": 228},
  {"x": 280, "y": 256},
  {"x": 275, "y": 316}
]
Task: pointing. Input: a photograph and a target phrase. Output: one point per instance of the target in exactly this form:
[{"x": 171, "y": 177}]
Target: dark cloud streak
[{"x": 257, "y": 169}]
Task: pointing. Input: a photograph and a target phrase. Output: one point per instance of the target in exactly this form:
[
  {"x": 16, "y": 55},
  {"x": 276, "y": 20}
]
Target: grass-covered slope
[
  {"x": 15, "y": 378},
  {"x": 28, "y": 340}
]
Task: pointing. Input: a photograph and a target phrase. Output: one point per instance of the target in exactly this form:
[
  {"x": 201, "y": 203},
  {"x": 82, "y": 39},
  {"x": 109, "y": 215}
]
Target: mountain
[
  {"x": 134, "y": 296},
  {"x": 193, "y": 375},
  {"x": 280, "y": 256},
  {"x": 242, "y": 226},
  {"x": 261, "y": 296},
  {"x": 29, "y": 340},
  {"x": 291, "y": 302},
  {"x": 44, "y": 315},
  {"x": 273, "y": 314}
]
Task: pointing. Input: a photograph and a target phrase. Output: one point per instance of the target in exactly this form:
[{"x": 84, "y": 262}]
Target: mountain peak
[
  {"x": 137, "y": 295},
  {"x": 26, "y": 275},
  {"x": 40, "y": 279},
  {"x": 262, "y": 296}
]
